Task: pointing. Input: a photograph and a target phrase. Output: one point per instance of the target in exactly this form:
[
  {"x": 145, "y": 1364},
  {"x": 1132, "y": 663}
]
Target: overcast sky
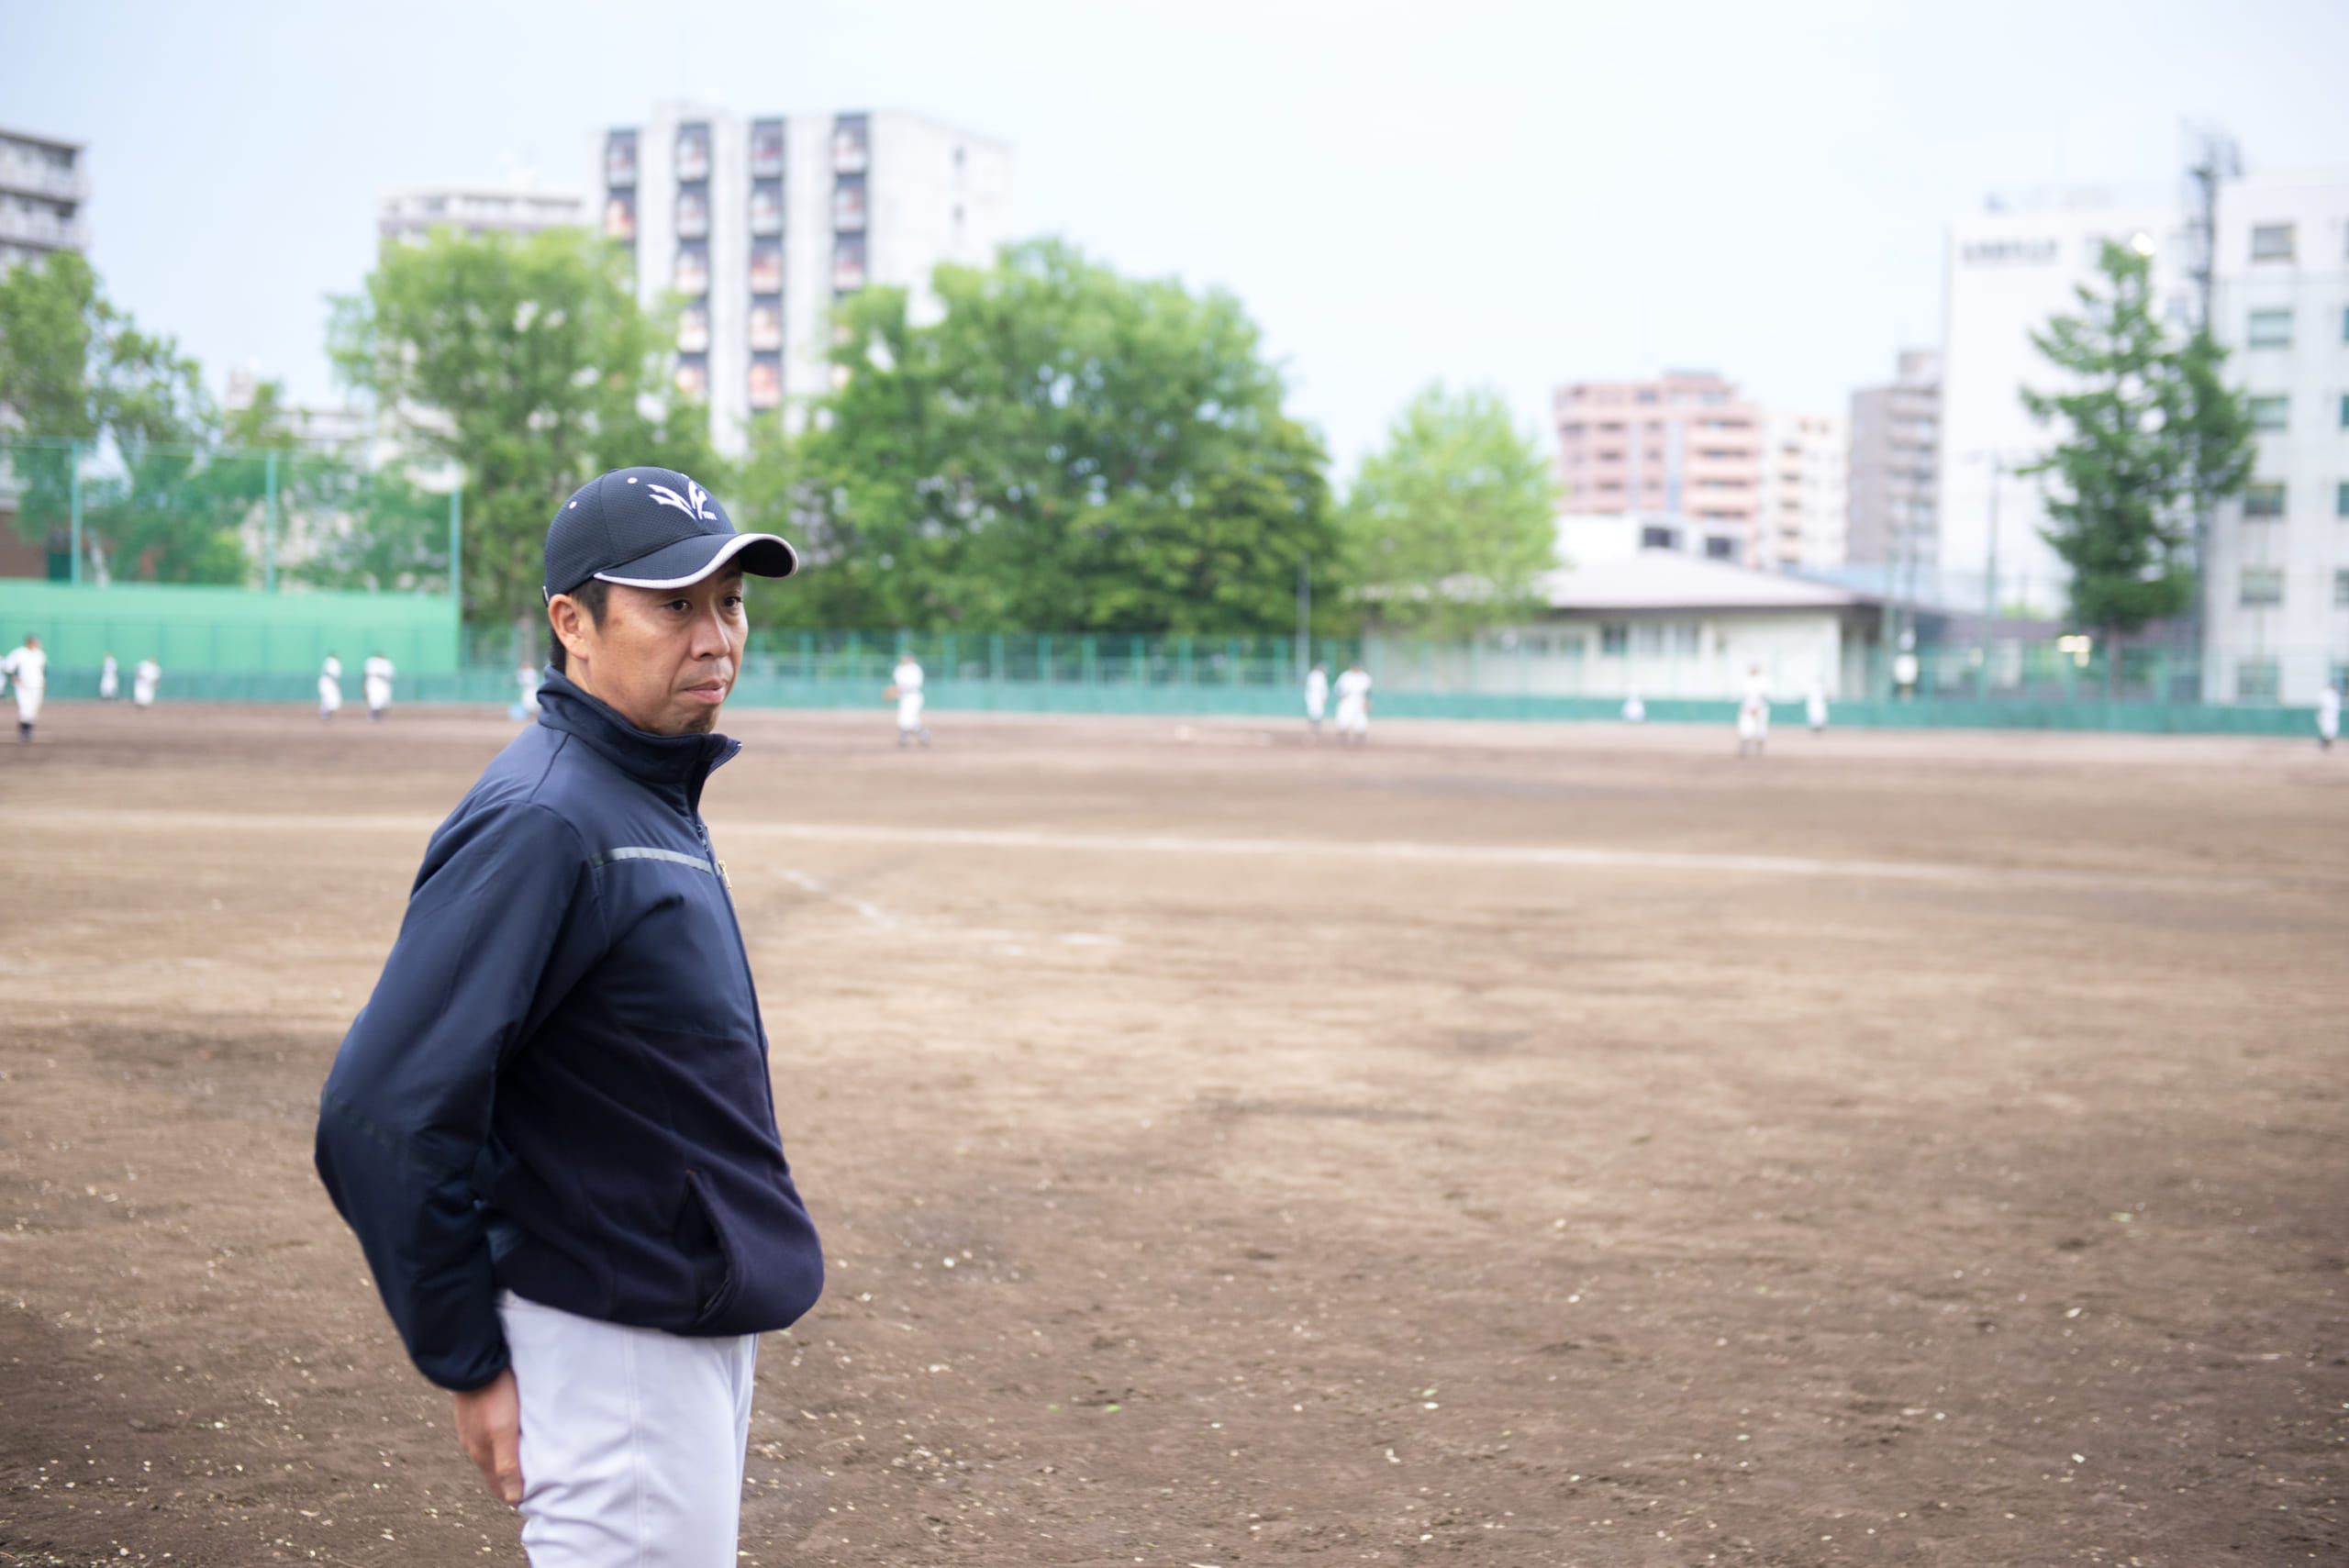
[{"x": 1519, "y": 195}]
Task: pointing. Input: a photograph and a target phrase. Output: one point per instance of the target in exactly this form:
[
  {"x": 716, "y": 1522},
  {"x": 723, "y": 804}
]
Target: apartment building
[
  {"x": 476, "y": 209},
  {"x": 43, "y": 190},
  {"x": 754, "y": 227},
  {"x": 1676, "y": 462},
  {"x": 2277, "y": 580},
  {"x": 1800, "y": 503},
  {"x": 1896, "y": 433}
]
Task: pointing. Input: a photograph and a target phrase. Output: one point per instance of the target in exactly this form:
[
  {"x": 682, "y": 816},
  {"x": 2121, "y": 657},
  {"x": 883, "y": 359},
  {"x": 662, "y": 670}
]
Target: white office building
[
  {"x": 1799, "y": 523},
  {"x": 2277, "y": 588},
  {"x": 43, "y": 189},
  {"x": 754, "y": 225},
  {"x": 2006, "y": 273}
]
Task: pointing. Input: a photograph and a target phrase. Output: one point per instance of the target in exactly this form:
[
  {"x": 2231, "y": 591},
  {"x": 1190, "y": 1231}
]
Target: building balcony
[
  {"x": 42, "y": 230},
  {"x": 38, "y": 177}
]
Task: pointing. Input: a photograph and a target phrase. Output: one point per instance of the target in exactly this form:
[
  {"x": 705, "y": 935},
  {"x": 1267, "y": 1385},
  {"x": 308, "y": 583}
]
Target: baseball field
[{"x": 1501, "y": 1145}]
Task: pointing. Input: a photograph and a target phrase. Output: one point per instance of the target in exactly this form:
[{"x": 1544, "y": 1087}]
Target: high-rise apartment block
[
  {"x": 1800, "y": 506},
  {"x": 43, "y": 188},
  {"x": 756, "y": 226},
  {"x": 2276, "y": 579},
  {"x": 1679, "y": 458},
  {"x": 1895, "y": 454},
  {"x": 477, "y": 210}
]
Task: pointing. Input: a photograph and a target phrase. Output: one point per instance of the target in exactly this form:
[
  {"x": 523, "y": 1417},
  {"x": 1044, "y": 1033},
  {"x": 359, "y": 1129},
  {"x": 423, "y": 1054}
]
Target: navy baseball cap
[{"x": 652, "y": 527}]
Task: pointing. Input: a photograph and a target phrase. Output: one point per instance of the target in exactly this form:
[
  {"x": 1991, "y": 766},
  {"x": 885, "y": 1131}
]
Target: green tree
[
  {"x": 2150, "y": 432},
  {"x": 76, "y": 369},
  {"x": 1450, "y": 524},
  {"x": 1063, "y": 447},
  {"x": 526, "y": 363}
]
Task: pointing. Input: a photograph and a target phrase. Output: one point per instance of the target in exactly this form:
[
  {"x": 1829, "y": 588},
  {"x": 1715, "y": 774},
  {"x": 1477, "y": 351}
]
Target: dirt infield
[{"x": 1503, "y": 1145}]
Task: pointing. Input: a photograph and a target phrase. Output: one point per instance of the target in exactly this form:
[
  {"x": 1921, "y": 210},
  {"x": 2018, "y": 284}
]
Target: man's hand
[{"x": 489, "y": 1428}]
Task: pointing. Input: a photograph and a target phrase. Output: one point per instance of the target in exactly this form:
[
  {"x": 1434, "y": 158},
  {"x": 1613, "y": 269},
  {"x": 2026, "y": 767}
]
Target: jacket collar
[{"x": 670, "y": 764}]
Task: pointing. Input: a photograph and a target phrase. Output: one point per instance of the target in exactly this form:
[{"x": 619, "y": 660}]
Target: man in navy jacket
[{"x": 553, "y": 1127}]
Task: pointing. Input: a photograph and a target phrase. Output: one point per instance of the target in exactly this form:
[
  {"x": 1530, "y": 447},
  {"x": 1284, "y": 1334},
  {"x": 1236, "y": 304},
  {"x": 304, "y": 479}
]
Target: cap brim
[{"x": 689, "y": 561}]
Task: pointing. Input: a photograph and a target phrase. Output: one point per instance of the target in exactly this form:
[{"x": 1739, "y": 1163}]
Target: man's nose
[{"x": 713, "y": 635}]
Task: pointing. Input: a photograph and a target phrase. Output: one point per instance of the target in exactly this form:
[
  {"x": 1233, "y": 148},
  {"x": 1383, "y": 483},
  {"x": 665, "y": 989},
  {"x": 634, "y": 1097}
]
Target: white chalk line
[{"x": 1402, "y": 850}]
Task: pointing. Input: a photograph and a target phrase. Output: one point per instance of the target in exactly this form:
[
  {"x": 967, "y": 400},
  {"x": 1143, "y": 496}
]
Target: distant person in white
[
  {"x": 525, "y": 683},
  {"x": 110, "y": 680},
  {"x": 144, "y": 677},
  {"x": 1635, "y": 710},
  {"x": 1353, "y": 706},
  {"x": 28, "y": 667},
  {"x": 376, "y": 678},
  {"x": 1316, "y": 697},
  {"x": 1814, "y": 705},
  {"x": 1753, "y": 713},
  {"x": 905, "y": 689},
  {"x": 329, "y": 687},
  {"x": 2328, "y": 717}
]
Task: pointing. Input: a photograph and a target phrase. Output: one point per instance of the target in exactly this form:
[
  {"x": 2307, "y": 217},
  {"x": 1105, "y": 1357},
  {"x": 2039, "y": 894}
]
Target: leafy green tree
[
  {"x": 2150, "y": 432},
  {"x": 1063, "y": 447},
  {"x": 526, "y": 363},
  {"x": 76, "y": 369},
  {"x": 1450, "y": 524}
]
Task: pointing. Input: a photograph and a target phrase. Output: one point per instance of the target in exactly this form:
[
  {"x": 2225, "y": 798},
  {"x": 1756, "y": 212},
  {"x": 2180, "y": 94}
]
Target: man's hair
[{"x": 594, "y": 596}]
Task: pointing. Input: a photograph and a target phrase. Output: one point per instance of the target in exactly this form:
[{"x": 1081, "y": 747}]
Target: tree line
[{"x": 1057, "y": 447}]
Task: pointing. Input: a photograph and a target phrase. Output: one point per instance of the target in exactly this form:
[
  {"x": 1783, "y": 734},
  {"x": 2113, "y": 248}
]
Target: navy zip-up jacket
[{"x": 559, "y": 1085}]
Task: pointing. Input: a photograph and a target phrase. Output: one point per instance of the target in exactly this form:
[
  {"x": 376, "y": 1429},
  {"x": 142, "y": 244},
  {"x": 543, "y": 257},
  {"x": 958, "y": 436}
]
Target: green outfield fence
[{"x": 229, "y": 645}]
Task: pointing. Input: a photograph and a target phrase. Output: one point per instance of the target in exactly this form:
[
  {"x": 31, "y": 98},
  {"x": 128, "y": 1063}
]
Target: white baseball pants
[{"x": 633, "y": 1440}]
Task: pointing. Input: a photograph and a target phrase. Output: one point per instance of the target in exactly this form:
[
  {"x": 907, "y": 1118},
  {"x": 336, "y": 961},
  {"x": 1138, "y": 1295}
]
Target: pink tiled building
[{"x": 1683, "y": 450}]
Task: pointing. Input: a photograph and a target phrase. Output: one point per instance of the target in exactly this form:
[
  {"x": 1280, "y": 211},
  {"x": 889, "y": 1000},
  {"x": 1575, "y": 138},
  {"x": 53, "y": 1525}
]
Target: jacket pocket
[{"x": 717, "y": 1268}]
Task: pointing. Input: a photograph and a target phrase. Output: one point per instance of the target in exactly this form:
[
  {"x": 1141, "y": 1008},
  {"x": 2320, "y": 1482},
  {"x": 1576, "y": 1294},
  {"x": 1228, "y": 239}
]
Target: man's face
[{"x": 665, "y": 658}]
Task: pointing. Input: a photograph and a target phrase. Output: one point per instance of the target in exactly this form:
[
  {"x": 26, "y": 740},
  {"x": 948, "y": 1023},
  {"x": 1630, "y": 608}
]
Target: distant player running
[
  {"x": 375, "y": 679},
  {"x": 144, "y": 678},
  {"x": 330, "y": 688},
  {"x": 905, "y": 690},
  {"x": 1753, "y": 713},
  {"x": 110, "y": 680},
  {"x": 1317, "y": 698},
  {"x": 2328, "y": 717},
  {"x": 1353, "y": 706},
  {"x": 1814, "y": 705},
  {"x": 28, "y": 666}
]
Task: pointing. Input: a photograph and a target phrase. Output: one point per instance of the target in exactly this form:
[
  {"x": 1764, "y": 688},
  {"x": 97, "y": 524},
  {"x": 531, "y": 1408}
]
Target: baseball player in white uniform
[
  {"x": 1317, "y": 698},
  {"x": 1635, "y": 710},
  {"x": 905, "y": 685},
  {"x": 2328, "y": 717},
  {"x": 28, "y": 667},
  {"x": 329, "y": 687},
  {"x": 1814, "y": 705},
  {"x": 525, "y": 686},
  {"x": 375, "y": 680},
  {"x": 1753, "y": 713},
  {"x": 144, "y": 678},
  {"x": 1353, "y": 706},
  {"x": 110, "y": 680}
]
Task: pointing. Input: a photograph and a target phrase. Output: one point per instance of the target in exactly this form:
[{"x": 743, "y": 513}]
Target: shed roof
[{"x": 1669, "y": 580}]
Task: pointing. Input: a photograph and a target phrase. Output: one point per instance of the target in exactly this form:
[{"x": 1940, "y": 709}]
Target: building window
[
  {"x": 2341, "y": 587},
  {"x": 848, "y": 204},
  {"x": 2256, "y": 679},
  {"x": 848, "y": 263},
  {"x": 766, "y": 267},
  {"x": 2341, "y": 499},
  {"x": 2263, "y": 586},
  {"x": 693, "y": 152},
  {"x": 2269, "y": 329},
  {"x": 851, "y": 147},
  {"x": 2271, "y": 243},
  {"x": 766, "y": 207},
  {"x": 2270, "y": 413},
  {"x": 692, "y": 329},
  {"x": 2344, "y": 411},
  {"x": 693, "y": 211},
  {"x": 766, "y": 149},
  {"x": 2265, "y": 500},
  {"x": 765, "y": 328},
  {"x": 1654, "y": 537},
  {"x": 1719, "y": 549},
  {"x": 1614, "y": 638},
  {"x": 620, "y": 159},
  {"x": 619, "y": 217},
  {"x": 693, "y": 376},
  {"x": 766, "y": 382},
  {"x": 1647, "y": 638},
  {"x": 692, "y": 274}
]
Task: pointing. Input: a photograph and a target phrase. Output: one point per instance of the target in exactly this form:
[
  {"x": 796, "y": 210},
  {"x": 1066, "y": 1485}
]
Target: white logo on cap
[{"x": 694, "y": 503}]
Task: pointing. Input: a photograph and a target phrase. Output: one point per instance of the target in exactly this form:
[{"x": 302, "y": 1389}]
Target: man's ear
[{"x": 569, "y": 622}]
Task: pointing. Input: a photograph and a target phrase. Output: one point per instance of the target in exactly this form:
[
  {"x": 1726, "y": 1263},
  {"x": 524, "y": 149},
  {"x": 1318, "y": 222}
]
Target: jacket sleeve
[{"x": 502, "y": 909}]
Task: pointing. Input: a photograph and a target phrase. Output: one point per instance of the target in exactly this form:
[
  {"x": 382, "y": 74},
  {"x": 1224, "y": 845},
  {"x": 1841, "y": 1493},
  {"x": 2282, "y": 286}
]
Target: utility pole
[
  {"x": 269, "y": 522},
  {"x": 1303, "y": 614},
  {"x": 73, "y": 490},
  {"x": 456, "y": 565},
  {"x": 2216, "y": 158}
]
